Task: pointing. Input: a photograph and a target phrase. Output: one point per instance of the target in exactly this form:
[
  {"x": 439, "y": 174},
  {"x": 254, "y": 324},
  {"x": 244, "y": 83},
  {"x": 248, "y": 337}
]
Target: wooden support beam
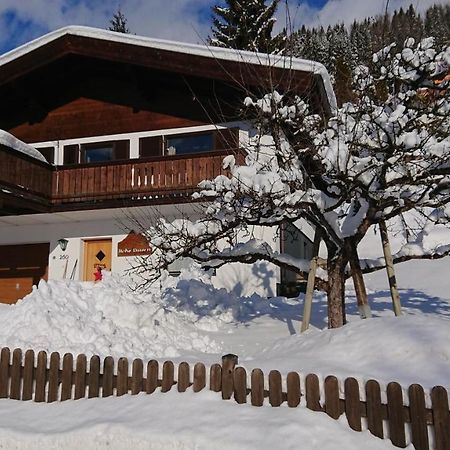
[
  {"x": 396, "y": 305},
  {"x": 310, "y": 284}
]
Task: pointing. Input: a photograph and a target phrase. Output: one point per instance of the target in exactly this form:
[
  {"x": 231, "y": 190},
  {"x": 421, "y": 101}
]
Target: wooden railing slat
[
  {"x": 257, "y": 387},
  {"x": 418, "y": 417},
  {"x": 137, "y": 373},
  {"x": 80, "y": 377},
  {"x": 374, "y": 408},
  {"x": 67, "y": 376},
  {"x": 14, "y": 391},
  {"x": 28, "y": 375},
  {"x": 94, "y": 377},
  {"x": 441, "y": 417},
  {"x": 53, "y": 378},
  {"x": 183, "y": 377},
  {"x": 293, "y": 389},
  {"x": 168, "y": 376},
  {"x": 240, "y": 385},
  {"x": 396, "y": 415},
  {"x": 108, "y": 376},
  {"x": 41, "y": 377},
  {"x": 275, "y": 388},
  {"x": 352, "y": 404},
  {"x": 332, "y": 404},
  {"x": 152, "y": 376},
  {"x": 312, "y": 392},
  {"x": 122, "y": 376},
  {"x": 215, "y": 378},
  {"x": 199, "y": 377},
  {"x": 4, "y": 375}
]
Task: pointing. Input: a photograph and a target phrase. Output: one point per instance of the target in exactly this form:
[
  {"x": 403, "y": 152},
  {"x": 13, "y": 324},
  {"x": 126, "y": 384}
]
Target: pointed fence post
[
  {"x": 390, "y": 269},
  {"x": 311, "y": 281}
]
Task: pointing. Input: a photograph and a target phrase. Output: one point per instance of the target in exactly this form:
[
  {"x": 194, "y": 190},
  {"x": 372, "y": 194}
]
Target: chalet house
[{"x": 97, "y": 125}]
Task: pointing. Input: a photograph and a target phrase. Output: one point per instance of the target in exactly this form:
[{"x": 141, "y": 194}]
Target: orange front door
[{"x": 96, "y": 254}]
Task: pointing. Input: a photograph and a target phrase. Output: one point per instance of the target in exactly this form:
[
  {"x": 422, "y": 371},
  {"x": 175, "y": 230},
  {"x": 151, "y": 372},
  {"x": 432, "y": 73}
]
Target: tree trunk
[{"x": 336, "y": 291}]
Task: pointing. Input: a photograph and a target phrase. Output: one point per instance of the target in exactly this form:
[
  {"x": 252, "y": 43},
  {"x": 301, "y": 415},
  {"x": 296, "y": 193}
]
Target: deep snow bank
[
  {"x": 408, "y": 349},
  {"x": 108, "y": 318}
]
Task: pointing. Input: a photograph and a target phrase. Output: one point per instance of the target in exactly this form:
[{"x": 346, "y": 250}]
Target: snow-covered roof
[
  {"x": 259, "y": 59},
  {"x": 12, "y": 142}
]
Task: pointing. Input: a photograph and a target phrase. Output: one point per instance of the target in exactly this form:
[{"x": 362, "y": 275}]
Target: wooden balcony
[{"x": 27, "y": 185}]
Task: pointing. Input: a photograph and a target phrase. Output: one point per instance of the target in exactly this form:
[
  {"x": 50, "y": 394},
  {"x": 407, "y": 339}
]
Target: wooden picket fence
[{"x": 26, "y": 376}]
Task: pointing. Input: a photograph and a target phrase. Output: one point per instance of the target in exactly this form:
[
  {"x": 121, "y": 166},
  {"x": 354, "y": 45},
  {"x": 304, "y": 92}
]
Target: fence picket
[
  {"x": 418, "y": 417},
  {"x": 215, "y": 378},
  {"x": 352, "y": 405},
  {"x": 229, "y": 362},
  {"x": 395, "y": 415},
  {"x": 41, "y": 377},
  {"x": 14, "y": 390},
  {"x": 312, "y": 392},
  {"x": 122, "y": 377},
  {"x": 240, "y": 385},
  {"x": 4, "y": 375},
  {"x": 183, "y": 377},
  {"x": 293, "y": 389},
  {"x": 80, "y": 377},
  {"x": 167, "y": 378},
  {"x": 332, "y": 405},
  {"x": 275, "y": 389},
  {"x": 137, "y": 376},
  {"x": 20, "y": 379},
  {"x": 28, "y": 375},
  {"x": 374, "y": 411},
  {"x": 53, "y": 378},
  {"x": 199, "y": 377},
  {"x": 94, "y": 377},
  {"x": 67, "y": 376},
  {"x": 108, "y": 377},
  {"x": 152, "y": 376},
  {"x": 441, "y": 417},
  {"x": 257, "y": 387}
]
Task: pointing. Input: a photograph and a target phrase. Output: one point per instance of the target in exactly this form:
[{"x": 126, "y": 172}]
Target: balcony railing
[{"x": 152, "y": 179}]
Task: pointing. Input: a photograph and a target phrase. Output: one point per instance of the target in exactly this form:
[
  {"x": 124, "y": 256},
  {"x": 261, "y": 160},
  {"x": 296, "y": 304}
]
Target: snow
[
  {"x": 192, "y": 49},
  {"x": 188, "y": 319},
  {"x": 172, "y": 421},
  {"x": 10, "y": 141}
]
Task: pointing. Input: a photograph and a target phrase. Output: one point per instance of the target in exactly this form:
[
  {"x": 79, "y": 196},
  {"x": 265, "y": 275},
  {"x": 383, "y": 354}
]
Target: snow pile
[
  {"x": 105, "y": 319},
  {"x": 407, "y": 349}
]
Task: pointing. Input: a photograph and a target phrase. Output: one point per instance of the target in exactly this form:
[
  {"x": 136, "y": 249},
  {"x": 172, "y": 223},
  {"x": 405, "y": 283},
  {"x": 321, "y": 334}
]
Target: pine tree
[
  {"x": 119, "y": 23},
  {"x": 246, "y": 25}
]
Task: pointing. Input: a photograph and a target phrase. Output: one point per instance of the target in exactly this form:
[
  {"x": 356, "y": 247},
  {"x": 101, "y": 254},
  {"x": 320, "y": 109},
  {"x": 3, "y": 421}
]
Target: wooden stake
[
  {"x": 311, "y": 281},
  {"x": 358, "y": 283},
  {"x": 390, "y": 269}
]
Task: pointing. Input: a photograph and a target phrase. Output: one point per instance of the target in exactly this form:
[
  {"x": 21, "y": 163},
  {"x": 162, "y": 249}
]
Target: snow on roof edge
[
  {"x": 302, "y": 65},
  {"x": 11, "y": 141}
]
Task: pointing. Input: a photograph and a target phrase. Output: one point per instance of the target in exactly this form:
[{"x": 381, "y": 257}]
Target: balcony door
[{"x": 97, "y": 253}]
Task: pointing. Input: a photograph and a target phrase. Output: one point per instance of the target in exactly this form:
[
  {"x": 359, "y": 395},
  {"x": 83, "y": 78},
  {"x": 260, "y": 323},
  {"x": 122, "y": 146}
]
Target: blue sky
[{"x": 182, "y": 20}]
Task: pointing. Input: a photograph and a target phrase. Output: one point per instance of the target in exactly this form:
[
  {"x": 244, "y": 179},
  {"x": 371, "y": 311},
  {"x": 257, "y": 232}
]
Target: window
[
  {"x": 185, "y": 144},
  {"x": 96, "y": 152},
  {"x": 48, "y": 153},
  {"x": 195, "y": 143}
]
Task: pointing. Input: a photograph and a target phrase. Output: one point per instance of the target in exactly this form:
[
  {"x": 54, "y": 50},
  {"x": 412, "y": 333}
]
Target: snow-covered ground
[{"x": 191, "y": 320}]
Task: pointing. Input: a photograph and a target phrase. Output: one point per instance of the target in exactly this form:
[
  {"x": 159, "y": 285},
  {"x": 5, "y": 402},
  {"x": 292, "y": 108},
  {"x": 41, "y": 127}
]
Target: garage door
[{"x": 21, "y": 267}]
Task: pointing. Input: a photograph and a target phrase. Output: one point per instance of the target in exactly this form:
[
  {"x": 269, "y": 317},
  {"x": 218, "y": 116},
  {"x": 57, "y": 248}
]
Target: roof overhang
[{"x": 228, "y": 65}]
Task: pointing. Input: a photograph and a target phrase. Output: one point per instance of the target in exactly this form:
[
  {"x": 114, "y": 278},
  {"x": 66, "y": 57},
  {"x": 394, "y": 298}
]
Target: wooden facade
[{"x": 77, "y": 86}]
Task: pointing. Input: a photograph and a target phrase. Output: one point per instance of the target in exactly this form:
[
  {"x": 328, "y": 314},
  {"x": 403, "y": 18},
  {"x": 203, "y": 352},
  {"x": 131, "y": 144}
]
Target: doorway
[{"x": 97, "y": 253}]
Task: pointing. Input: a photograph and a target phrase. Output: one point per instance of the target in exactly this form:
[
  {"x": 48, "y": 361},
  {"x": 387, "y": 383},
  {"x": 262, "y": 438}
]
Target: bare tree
[{"x": 385, "y": 154}]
